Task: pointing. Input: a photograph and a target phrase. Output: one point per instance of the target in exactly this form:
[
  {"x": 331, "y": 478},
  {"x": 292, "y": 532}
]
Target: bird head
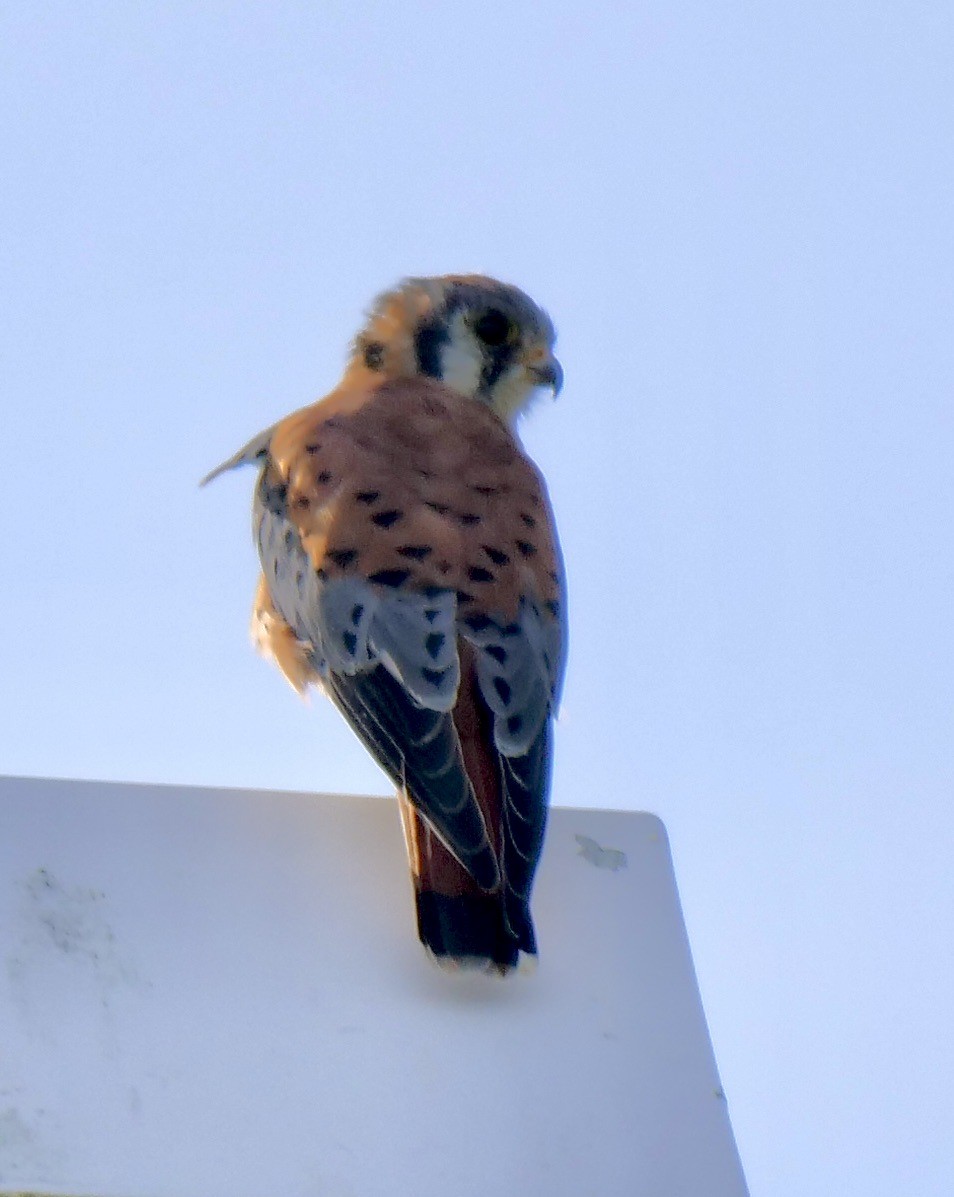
[{"x": 483, "y": 338}]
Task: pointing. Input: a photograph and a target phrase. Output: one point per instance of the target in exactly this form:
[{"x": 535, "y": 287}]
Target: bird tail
[
  {"x": 471, "y": 931},
  {"x": 461, "y": 925}
]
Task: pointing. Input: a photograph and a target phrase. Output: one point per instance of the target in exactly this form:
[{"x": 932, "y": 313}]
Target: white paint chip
[{"x": 603, "y": 858}]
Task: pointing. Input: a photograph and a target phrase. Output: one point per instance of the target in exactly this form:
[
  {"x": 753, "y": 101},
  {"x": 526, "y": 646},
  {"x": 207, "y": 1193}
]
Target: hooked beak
[{"x": 548, "y": 373}]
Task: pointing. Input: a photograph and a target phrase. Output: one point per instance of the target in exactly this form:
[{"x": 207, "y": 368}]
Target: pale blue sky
[{"x": 739, "y": 217}]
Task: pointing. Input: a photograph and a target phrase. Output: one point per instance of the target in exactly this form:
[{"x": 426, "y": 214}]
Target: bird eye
[{"x": 493, "y": 327}]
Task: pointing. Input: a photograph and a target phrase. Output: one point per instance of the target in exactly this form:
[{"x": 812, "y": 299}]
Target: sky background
[{"x": 739, "y": 217}]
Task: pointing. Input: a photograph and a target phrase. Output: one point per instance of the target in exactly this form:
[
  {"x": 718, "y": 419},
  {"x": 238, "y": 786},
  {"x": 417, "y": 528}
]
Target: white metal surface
[{"x": 208, "y": 992}]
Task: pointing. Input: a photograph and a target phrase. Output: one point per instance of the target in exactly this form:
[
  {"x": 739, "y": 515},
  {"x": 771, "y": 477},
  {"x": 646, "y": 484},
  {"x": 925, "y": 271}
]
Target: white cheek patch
[
  {"x": 512, "y": 393},
  {"x": 461, "y": 359}
]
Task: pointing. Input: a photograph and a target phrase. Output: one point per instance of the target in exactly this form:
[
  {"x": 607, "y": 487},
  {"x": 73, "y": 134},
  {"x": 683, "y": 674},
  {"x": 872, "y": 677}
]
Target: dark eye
[{"x": 493, "y": 327}]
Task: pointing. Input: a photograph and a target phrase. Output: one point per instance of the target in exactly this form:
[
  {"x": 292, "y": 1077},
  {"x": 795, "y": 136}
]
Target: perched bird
[{"x": 411, "y": 570}]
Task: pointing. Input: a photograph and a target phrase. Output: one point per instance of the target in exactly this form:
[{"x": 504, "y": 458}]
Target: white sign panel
[{"x": 207, "y": 993}]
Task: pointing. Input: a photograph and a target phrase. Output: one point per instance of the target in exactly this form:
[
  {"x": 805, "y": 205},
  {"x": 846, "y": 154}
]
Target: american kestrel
[{"x": 411, "y": 570}]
